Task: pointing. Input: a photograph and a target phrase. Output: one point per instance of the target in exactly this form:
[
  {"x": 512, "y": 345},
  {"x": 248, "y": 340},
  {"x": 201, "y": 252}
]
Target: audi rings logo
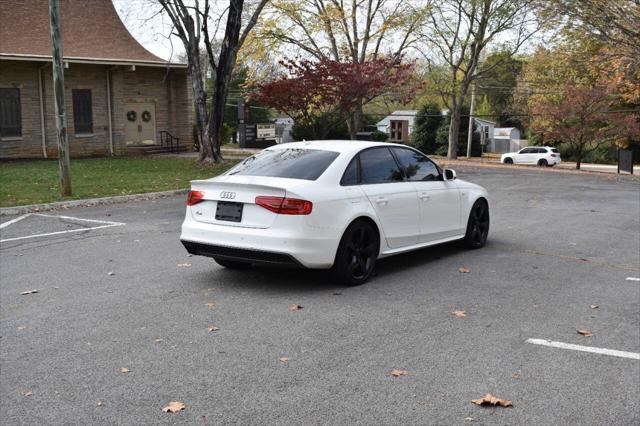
[{"x": 228, "y": 195}]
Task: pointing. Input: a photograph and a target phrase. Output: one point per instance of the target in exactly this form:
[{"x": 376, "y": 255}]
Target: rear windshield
[
  {"x": 554, "y": 150},
  {"x": 292, "y": 163}
]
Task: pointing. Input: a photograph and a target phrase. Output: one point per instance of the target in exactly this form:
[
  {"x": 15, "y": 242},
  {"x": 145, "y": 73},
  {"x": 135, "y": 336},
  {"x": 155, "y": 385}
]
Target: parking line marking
[
  {"x": 105, "y": 224},
  {"x": 601, "y": 351},
  {"x": 12, "y": 221},
  {"x": 633, "y": 279}
]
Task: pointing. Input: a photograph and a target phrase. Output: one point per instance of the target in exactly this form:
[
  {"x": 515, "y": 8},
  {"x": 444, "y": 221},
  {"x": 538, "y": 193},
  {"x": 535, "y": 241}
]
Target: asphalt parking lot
[{"x": 124, "y": 294}]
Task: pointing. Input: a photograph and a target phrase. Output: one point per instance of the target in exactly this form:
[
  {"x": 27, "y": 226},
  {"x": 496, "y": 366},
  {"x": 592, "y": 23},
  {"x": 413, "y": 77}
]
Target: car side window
[
  {"x": 526, "y": 151},
  {"x": 377, "y": 165},
  {"x": 416, "y": 167},
  {"x": 351, "y": 175},
  {"x": 541, "y": 150}
]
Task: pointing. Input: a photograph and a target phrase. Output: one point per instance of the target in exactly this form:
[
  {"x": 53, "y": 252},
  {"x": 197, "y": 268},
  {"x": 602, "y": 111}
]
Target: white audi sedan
[
  {"x": 331, "y": 204},
  {"x": 544, "y": 156}
]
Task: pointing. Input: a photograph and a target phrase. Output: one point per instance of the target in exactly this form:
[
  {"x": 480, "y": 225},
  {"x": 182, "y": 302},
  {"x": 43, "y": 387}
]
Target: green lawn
[{"x": 33, "y": 182}]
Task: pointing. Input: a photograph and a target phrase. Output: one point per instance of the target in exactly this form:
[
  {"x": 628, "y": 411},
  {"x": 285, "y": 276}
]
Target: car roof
[{"x": 342, "y": 146}]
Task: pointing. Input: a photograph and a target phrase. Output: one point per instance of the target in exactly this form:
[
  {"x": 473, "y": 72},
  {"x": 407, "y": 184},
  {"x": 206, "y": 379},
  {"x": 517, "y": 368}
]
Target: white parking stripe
[
  {"x": 633, "y": 279},
  {"x": 104, "y": 224},
  {"x": 12, "y": 221},
  {"x": 601, "y": 351}
]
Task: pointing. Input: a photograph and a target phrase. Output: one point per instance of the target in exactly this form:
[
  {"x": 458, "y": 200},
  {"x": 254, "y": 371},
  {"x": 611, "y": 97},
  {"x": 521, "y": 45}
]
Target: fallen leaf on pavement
[
  {"x": 283, "y": 360},
  {"x": 212, "y": 328},
  {"x": 515, "y": 376},
  {"x": 459, "y": 314},
  {"x": 398, "y": 373},
  {"x": 99, "y": 404},
  {"x": 158, "y": 340},
  {"x": 594, "y": 306},
  {"x": 464, "y": 270},
  {"x": 174, "y": 407},
  {"x": 210, "y": 305},
  {"x": 585, "y": 333},
  {"x": 22, "y": 327},
  {"x": 337, "y": 293},
  {"x": 28, "y": 393},
  {"x": 184, "y": 265},
  {"x": 469, "y": 419},
  {"x": 295, "y": 307},
  {"x": 124, "y": 370},
  {"x": 111, "y": 273},
  {"x": 29, "y": 292},
  {"x": 489, "y": 399}
]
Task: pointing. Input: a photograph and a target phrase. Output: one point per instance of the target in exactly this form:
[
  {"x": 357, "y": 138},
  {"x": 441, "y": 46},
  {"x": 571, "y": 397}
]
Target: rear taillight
[
  {"x": 194, "y": 197},
  {"x": 554, "y": 155},
  {"x": 281, "y": 205}
]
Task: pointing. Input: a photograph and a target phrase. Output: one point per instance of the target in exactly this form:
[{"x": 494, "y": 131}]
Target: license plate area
[{"x": 230, "y": 212}]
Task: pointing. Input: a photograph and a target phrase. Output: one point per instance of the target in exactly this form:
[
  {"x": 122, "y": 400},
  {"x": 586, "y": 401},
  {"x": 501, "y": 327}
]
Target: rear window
[
  {"x": 292, "y": 163},
  {"x": 554, "y": 150}
]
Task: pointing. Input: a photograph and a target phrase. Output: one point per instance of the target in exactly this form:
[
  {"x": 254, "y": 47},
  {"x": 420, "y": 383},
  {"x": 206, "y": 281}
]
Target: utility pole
[
  {"x": 470, "y": 134},
  {"x": 58, "y": 96}
]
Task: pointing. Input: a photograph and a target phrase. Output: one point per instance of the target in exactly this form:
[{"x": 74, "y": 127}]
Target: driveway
[{"x": 120, "y": 324}]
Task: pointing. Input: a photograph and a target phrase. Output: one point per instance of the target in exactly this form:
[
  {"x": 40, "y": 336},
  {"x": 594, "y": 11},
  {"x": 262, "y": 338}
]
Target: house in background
[
  {"x": 118, "y": 95},
  {"x": 398, "y": 125},
  {"x": 507, "y": 139},
  {"x": 487, "y": 128}
]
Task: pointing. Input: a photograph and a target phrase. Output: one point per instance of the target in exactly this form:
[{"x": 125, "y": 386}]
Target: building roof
[
  {"x": 91, "y": 32},
  {"x": 408, "y": 114}
]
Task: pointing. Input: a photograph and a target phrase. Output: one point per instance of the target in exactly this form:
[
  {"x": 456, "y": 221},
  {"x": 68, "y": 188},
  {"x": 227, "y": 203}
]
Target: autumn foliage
[
  {"x": 583, "y": 118},
  {"x": 335, "y": 89}
]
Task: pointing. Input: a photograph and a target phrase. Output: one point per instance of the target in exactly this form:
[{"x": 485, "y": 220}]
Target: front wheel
[
  {"x": 477, "y": 225},
  {"x": 508, "y": 160},
  {"x": 232, "y": 264},
  {"x": 357, "y": 254}
]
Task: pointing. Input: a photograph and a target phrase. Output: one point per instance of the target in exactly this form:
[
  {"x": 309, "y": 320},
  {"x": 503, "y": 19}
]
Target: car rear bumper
[
  {"x": 240, "y": 254},
  {"x": 287, "y": 242}
]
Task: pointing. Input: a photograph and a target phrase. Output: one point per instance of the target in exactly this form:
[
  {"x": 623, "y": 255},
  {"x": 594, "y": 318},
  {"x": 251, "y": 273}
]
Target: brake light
[
  {"x": 554, "y": 155},
  {"x": 281, "y": 205},
  {"x": 194, "y": 197}
]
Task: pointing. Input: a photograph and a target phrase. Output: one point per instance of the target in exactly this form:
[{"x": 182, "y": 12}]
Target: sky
[{"x": 150, "y": 31}]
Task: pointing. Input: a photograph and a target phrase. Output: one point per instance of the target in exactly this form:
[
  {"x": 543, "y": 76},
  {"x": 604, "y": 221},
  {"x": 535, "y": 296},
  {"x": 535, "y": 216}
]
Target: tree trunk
[
  {"x": 355, "y": 121},
  {"x": 454, "y": 131},
  {"x": 224, "y": 70},
  {"x": 200, "y": 102}
]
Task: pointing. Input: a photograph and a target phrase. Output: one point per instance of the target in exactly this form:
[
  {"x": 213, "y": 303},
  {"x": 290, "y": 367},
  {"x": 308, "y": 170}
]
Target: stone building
[{"x": 119, "y": 97}]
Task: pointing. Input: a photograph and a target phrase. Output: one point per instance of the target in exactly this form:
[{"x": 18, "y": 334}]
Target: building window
[
  {"x": 396, "y": 131},
  {"x": 10, "y": 113},
  {"x": 82, "y": 113}
]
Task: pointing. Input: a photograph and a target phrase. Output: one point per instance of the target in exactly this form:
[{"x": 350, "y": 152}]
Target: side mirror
[{"x": 449, "y": 174}]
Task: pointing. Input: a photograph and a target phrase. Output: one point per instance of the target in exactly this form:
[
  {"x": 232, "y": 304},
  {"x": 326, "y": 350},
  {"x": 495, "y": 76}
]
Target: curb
[{"x": 31, "y": 208}]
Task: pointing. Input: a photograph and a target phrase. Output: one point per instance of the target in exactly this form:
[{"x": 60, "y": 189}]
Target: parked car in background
[
  {"x": 331, "y": 204},
  {"x": 544, "y": 156}
]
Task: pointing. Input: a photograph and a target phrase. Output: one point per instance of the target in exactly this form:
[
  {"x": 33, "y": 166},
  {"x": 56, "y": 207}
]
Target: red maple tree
[
  {"x": 583, "y": 119},
  {"x": 334, "y": 89}
]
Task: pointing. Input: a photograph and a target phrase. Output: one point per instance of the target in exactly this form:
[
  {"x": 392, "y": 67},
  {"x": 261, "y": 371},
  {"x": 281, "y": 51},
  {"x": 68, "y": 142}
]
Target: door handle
[
  {"x": 382, "y": 200},
  {"x": 424, "y": 196}
]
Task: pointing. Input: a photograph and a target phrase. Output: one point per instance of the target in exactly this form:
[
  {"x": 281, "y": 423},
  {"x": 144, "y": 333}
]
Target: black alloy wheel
[
  {"x": 357, "y": 253},
  {"x": 543, "y": 163},
  {"x": 478, "y": 225},
  {"x": 508, "y": 161}
]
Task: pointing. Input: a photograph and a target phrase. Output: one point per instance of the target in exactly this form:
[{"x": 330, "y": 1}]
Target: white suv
[{"x": 539, "y": 155}]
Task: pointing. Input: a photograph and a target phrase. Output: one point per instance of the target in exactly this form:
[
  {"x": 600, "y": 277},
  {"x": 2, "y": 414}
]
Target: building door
[{"x": 140, "y": 127}]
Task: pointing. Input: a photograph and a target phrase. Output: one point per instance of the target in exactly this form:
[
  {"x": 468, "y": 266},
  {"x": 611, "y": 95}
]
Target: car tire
[
  {"x": 508, "y": 160},
  {"x": 477, "y": 225},
  {"x": 543, "y": 163},
  {"x": 232, "y": 264},
  {"x": 357, "y": 254}
]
